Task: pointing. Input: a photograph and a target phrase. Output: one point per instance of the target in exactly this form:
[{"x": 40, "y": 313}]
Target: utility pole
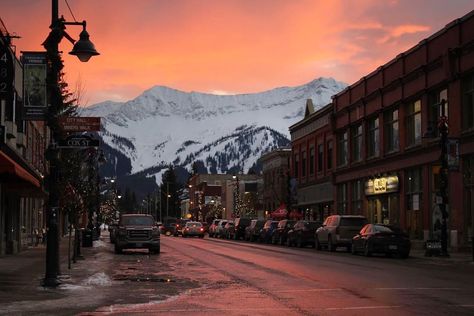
[{"x": 443, "y": 178}]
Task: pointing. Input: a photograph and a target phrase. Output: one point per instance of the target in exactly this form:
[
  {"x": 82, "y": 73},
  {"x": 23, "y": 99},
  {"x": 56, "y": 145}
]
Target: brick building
[
  {"x": 312, "y": 145},
  {"x": 22, "y": 166},
  {"x": 384, "y": 167}
]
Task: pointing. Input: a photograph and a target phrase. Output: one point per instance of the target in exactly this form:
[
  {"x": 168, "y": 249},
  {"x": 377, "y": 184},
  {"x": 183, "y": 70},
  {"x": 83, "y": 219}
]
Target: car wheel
[
  {"x": 201, "y": 236},
  {"x": 155, "y": 250},
  {"x": 353, "y": 249},
  {"x": 299, "y": 243},
  {"x": 404, "y": 254},
  {"x": 331, "y": 246},
  {"x": 367, "y": 251},
  {"x": 317, "y": 244}
]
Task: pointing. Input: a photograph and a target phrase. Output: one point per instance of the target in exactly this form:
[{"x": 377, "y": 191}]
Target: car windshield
[
  {"x": 311, "y": 225},
  {"x": 354, "y": 221},
  {"x": 244, "y": 221},
  {"x": 193, "y": 224},
  {"x": 386, "y": 229},
  {"x": 139, "y": 220}
]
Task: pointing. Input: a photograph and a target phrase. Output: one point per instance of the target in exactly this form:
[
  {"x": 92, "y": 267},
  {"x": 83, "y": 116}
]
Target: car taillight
[
  {"x": 202, "y": 229},
  {"x": 186, "y": 228}
]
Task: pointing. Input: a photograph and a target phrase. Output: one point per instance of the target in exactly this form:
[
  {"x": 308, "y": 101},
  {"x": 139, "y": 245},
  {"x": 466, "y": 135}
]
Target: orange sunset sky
[{"x": 228, "y": 46}]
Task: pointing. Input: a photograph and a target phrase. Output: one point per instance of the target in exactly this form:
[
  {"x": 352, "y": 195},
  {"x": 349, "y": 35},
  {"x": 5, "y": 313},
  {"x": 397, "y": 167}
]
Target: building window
[
  {"x": 296, "y": 166},
  {"x": 357, "y": 197},
  {"x": 341, "y": 198},
  {"x": 303, "y": 163},
  {"x": 356, "y": 145},
  {"x": 413, "y": 123},
  {"x": 311, "y": 160},
  {"x": 435, "y": 110},
  {"x": 391, "y": 131},
  {"x": 342, "y": 149},
  {"x": 373, "y": 138},
  {"x": 320, "y": 157},
  {"x": 468, "y": 102},
  {"x": 329, "y": 155}
]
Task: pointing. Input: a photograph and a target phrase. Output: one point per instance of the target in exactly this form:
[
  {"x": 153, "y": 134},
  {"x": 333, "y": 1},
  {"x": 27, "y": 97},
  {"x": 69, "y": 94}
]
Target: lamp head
[{"x": 84, "y": 49}]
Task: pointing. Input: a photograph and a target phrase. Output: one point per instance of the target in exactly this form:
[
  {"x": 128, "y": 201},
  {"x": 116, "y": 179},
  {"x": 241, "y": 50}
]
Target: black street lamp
[
  {"x": 443, "y": 175},
  {"x": 84, "y": 49}
]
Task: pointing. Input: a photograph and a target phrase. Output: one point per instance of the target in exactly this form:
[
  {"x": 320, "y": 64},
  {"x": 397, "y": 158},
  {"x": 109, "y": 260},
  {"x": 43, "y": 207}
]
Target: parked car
[
  {"x": 137, "y": 231},
  {"x": 205, "y": 225},
  {"x": 240, "y": 224},
  {"x": 281, "y": 232},
  {"x": 193, "y": 229},
  {"x": 180, "y": 223},
  {"x": 219, "y": 233},
  {"x": 378, "y": 238},
  {"x": 302, "y": 233},
  {"x": 267, "y": 231},
  {"x": 213, "y": 227},
  {"x": 338, "y": 230},
  {"x": 169, "y": 227},
  {"x": 252, "y": 232},
  {"x": 228, "y": 230},
  {"x": 113, "y": 231}
]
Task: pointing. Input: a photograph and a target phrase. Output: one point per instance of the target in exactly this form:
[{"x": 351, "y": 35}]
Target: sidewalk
[{"x": 21, "y": 275}]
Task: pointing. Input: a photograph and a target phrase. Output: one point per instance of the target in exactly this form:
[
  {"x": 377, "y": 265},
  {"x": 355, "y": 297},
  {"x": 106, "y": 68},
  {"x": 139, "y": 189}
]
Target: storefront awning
[
  {"x": 280, "y": 212},
  {"x": 10, "y": 167}
]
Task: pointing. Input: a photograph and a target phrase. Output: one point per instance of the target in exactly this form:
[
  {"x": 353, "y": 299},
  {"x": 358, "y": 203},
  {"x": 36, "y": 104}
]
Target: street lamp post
[
  {"x": 84, "y": 49},
  {"x": 443, "y": 174},
  {"x": 443, "y": 178}
]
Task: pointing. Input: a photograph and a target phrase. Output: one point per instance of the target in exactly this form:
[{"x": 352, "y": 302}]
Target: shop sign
[{"x": 381, "y": 185}]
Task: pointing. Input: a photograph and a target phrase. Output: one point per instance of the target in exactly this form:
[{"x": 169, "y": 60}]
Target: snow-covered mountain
[{"x": 223, "y": 133}]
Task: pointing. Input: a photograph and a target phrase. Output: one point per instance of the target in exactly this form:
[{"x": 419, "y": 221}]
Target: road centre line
[{"x": 418, "y": 288}]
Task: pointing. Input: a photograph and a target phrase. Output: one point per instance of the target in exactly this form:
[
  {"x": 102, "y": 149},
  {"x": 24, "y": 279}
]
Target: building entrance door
[{"x": 384, "y": 209}]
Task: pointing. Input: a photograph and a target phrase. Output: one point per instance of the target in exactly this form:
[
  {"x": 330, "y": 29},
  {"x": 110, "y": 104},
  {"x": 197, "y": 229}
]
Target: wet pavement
[{"x": 214, "y": 277}]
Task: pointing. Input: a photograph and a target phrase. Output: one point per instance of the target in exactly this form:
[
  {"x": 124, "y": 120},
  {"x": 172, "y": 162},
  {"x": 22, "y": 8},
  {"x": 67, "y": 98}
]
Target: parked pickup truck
[{"x": 137, "y": 231}]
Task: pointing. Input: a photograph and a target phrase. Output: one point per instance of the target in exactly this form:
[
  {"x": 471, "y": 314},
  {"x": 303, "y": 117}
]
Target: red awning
[
  {"x": 9, "y": 166},
  {"x": 280, "y": 212},
  {"x": 296, "y": 215}
]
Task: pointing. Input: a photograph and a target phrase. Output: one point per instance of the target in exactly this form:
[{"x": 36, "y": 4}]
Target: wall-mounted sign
[
  {"x": 6, "y": 71},
  {"x": 381, "y": 185},
  {"x": 35, "y": 98}
]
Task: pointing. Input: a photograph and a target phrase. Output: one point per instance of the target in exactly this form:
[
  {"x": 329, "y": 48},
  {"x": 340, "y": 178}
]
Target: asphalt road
[{"x": 195, "y": 276}]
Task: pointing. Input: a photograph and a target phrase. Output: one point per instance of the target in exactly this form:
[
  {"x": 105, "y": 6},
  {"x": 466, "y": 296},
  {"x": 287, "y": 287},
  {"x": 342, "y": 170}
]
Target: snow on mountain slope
[{"x": 165, "y": 125}]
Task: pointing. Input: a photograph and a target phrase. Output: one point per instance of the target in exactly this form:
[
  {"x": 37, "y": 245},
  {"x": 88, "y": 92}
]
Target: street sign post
[
  {"x": 79, "y": 124},
  {"x": 77, "y": 142}
]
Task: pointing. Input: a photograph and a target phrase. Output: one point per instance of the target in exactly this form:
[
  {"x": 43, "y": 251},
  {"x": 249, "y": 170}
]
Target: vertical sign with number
[{"x": 6, "y": 70}]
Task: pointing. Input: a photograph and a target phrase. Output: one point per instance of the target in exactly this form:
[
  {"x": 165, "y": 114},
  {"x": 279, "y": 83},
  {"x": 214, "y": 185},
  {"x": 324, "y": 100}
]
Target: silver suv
[
  {"x": 137, "y": 231},
  {"x": 338, "y": 230}
]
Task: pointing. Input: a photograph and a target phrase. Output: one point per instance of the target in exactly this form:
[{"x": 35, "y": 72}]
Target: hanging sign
[
  {"x": 79, "y": 124},
  {"x": 34, "y": 85}
]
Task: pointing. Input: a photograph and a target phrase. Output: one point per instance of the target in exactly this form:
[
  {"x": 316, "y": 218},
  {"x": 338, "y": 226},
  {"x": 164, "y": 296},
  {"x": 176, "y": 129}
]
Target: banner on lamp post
[{"x": 35, "y": 100}]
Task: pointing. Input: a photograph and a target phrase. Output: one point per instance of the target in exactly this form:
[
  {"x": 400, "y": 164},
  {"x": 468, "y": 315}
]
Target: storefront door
[{"x": 384, "y": 209}]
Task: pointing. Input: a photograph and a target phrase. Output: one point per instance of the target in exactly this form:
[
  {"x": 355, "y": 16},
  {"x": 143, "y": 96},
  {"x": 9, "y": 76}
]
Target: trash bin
[{"x": 87, "y": 238}]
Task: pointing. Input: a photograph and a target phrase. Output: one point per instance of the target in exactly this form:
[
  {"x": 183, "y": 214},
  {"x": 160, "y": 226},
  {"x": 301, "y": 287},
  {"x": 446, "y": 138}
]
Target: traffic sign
[
  {"x": 77, "y": 142},
  {"x": 79, "y": 124}
]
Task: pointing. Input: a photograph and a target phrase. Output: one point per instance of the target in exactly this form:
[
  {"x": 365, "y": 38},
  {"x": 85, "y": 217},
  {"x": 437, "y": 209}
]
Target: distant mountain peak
[{"x": 165, "y": 125}]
